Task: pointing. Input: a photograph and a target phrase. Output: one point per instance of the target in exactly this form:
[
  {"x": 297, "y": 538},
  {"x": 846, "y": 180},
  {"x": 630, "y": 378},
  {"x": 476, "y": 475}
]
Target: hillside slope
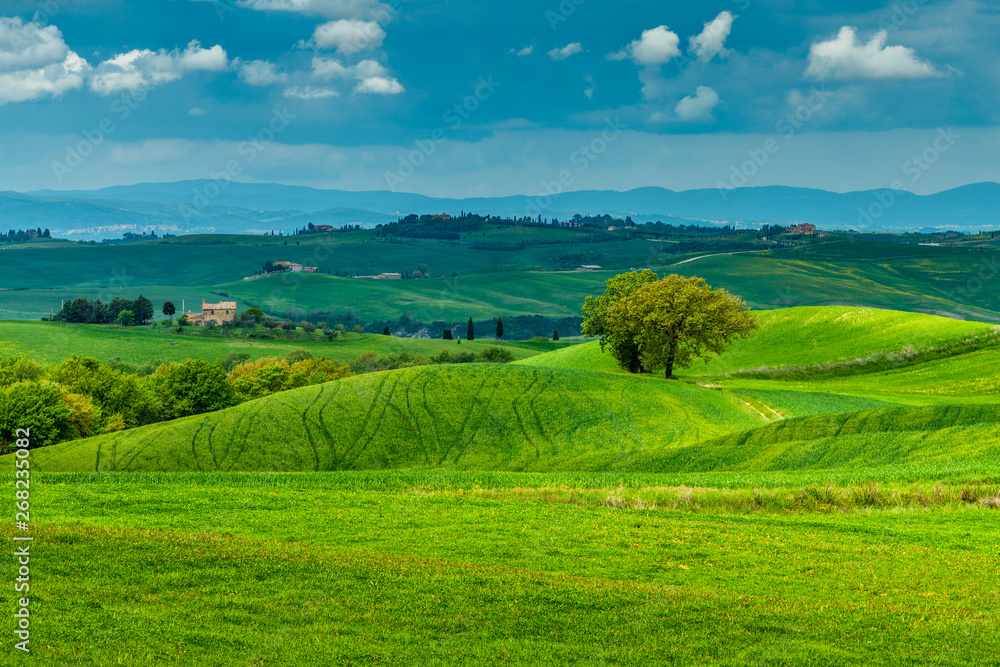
[
  {"x": 799, "y": 336},
  {"x": 475, "y": 416}
]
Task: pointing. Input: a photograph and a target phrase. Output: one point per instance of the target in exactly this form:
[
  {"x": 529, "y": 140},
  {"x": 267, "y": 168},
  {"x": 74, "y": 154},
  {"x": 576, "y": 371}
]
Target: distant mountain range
[{"x": 205, "y": 206}]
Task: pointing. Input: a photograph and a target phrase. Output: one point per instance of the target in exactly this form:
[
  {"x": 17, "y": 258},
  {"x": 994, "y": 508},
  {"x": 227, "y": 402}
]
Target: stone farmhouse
[
  {"x": 224, "y": 311},
  {"x": 804, "y": 228},
  {"x": 297, "y": 268}
]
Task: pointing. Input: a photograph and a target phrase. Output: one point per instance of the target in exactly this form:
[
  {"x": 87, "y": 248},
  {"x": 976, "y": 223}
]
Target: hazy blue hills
[{"x": 204, "y": 206}]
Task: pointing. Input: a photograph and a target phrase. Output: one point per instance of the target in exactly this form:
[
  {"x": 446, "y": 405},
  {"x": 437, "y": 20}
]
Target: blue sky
[{"x": 485, "y": 98}]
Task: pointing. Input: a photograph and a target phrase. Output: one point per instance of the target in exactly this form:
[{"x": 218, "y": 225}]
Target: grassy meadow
[{"x": 824, "y": 492}]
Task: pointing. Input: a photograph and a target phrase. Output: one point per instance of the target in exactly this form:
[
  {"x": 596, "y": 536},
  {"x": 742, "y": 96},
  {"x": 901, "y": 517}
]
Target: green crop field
[
  {"x": 53, "y": 342},
  {"x": 482, "y": 281}
]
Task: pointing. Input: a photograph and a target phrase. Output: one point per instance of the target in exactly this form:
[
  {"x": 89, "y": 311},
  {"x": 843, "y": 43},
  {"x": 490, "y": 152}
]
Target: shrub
[
  {"x": 270, "y": 323},
  {"x": 298, "y": 355},
  {"x": 288, "y": 326},
  {"x": 308, "y": 327},
  {"x": 37, "y": 407},
  {"x": 359, "y": 328},
  {"x": 447, "y": 335},
  {"x": 496, "y": 355}
]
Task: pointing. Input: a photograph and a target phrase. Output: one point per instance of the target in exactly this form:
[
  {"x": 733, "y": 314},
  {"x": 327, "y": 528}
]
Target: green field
[
  {"x": 466, "y": 280},
  {"x": 53, "y": 342},
  {"x": 476, "y": 569}
]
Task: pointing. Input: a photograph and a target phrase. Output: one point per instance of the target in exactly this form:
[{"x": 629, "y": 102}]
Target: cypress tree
[
  {"x": 555, "y": 334},
  {"x": 470, "y": 331},
  {"x": 499, "y": 326},
  {"x": 385, "y": 332}
]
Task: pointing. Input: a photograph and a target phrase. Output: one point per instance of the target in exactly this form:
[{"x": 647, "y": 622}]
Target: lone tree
[
  {"x": 169, "y": 309},
  {"x": 470, "y": 331},
  {"x": 672, "y": 322},
  {"x": 385, "y": 331},
  {"x": 555, "y": 334},
  {"x": 446, "y": 335},
  {"x": 499, "y": 326},
  {"x": 620, "y": 341}
]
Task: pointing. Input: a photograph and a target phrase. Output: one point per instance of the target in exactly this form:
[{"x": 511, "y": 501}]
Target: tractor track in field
[{"x": 309, "y": 435}]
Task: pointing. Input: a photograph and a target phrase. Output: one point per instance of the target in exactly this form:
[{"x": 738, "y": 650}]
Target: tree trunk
[{"x": 671, "y": 354}]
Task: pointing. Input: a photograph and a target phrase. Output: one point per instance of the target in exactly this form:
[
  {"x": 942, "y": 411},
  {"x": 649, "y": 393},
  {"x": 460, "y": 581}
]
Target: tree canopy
[{"x": 651, "y": 324}]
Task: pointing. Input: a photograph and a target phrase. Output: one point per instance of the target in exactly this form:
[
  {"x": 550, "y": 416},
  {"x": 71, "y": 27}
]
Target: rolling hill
[{"x": 571, "y": 409}]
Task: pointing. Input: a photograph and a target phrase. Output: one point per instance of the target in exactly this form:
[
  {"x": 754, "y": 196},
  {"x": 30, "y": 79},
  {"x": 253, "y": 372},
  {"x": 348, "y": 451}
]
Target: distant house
[
  {"x": 224, "y": 311},
  {"x": 389, "y": 276},
  {"x": 310, "y": 269},
  {"x": 612, "y": 228},
  {"x": 804, "y": 228},
  {"x": 588, "y": 267},
  {"x": 441, "y": 216},
  {"x": 323, "y": 228},
  {"x": 290, "y": 266}
]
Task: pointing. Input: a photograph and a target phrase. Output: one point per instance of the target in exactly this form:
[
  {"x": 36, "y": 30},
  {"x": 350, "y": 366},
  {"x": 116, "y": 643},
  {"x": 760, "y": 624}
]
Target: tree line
[{"x": 127, "y": 312}]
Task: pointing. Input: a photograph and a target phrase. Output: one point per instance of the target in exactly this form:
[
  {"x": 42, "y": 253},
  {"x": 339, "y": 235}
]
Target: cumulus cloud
[
  {"x": 35, "y": 62},
  {"x": 142, "y": 68},
  {"x": 379, "y": 85},
  {"x": 310, "y": 92},
  {"x": 698, "y": 107},
  {"x": 845, "y": 58},
  {"x": 654, "y": 47},
  {"x": 712, "y": 40},
  {"x": 347, "y": 36},
  {"x": 372, "y": 76},
  {"x": 260, "y": 73},
  {"x": 566, "y": 51},
  {"x": 526, "y": 51},
  {"x": 334, "y": 9}
]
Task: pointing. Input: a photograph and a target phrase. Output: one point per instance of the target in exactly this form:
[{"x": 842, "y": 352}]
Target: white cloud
[
  {"x": 334, "y": 9},
  {"x": 28, "y": 46},
  {"x": 379, "y": 85},
  {"x": 348, "y": 36},
  {"x": 844, "y": 58},
  {"x": 372, "y": 76},
  {"x": 566, "y": 51},
  {"x": 712, "y": 40},
  {"x": 698, "y": 107},
  {"x": 144, "y": 68},
  {"x": 589, "y": 92},
  {"x": 526, "y": 51},
  {"x": 310, "y": 93},
  {"x": 331, "y": 68},
  {"x": 654, "y": 47},
  {"x": 196, "y": 111},
  {"x": 35, "y": 62},
  {"x": 260, "y": 73}
]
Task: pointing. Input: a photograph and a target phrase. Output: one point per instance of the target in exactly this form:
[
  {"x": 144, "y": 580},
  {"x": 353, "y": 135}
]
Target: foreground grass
[{"x": 317, "y": 569}]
